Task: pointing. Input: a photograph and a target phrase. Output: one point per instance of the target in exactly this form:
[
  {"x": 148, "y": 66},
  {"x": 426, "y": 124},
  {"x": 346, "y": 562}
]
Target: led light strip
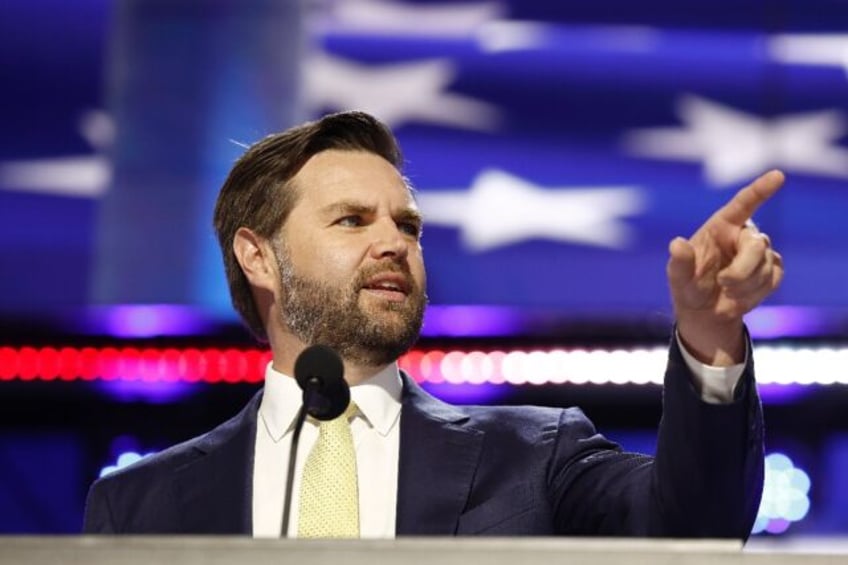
[{"x": 775, "y": 365}]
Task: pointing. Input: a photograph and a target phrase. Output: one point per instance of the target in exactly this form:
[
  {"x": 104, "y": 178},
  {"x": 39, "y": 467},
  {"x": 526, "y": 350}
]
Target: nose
[{"x": 388, "y": 240}]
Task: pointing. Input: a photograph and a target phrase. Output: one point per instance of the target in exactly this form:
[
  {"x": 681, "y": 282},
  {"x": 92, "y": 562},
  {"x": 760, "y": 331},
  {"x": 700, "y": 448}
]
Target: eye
[
  {"x": 351, "y": 221},
  {"x": 410, "y": 228}
]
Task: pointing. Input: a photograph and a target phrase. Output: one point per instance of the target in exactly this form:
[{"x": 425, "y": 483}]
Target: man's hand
[{"x": 723, "y": 272}]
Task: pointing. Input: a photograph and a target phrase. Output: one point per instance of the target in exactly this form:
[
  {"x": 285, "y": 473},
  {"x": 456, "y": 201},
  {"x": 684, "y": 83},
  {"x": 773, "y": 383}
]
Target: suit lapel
[
  {"x": 439, "y": 454},
  {"x": 213, "y": 492}
]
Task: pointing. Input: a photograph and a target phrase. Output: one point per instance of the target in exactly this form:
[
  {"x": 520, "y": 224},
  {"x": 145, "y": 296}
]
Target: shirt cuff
[{"x": 715, "y": 384}]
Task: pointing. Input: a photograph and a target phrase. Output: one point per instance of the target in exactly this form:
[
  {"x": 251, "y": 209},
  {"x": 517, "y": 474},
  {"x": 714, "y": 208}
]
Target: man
[{"x": 321, "y": 242}]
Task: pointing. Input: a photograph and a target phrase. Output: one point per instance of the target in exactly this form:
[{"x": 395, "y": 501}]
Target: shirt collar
[{"x": 377, "y": 398}]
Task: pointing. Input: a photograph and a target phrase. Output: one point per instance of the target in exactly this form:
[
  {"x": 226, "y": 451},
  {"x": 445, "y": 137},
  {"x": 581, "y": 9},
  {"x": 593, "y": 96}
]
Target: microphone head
[{"x": 319, "y": 372}]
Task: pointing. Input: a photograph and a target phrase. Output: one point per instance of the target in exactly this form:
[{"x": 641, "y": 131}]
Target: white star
[
  {"x": 735, "y": 146},
  {"x": 501, "y": 209},
  {"x": 396, "y": 93},
  {"x": 810, "y": 49},
  {"x": 76, "y": 175}
]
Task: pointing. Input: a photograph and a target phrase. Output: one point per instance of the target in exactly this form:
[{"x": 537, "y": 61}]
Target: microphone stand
[{"x": 298, "y": 426}]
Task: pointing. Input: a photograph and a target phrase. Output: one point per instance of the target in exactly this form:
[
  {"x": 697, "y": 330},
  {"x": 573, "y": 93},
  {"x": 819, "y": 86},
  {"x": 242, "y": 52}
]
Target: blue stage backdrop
[{"x": 557, "y": 147}]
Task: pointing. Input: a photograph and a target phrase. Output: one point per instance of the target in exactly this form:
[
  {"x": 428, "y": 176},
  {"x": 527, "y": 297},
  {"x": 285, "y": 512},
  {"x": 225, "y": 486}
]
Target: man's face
[{"x": 351, "y": 269}]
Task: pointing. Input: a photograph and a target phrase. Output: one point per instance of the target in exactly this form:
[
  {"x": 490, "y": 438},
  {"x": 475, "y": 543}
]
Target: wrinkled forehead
[{"x": 335, "y": 175}]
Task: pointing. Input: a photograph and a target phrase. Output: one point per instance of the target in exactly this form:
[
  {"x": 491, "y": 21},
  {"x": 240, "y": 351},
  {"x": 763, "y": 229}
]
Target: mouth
[{"x": 388, "y": 286}]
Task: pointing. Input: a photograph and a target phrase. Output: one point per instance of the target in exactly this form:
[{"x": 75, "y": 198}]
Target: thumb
[{"x": 681, "y": 262}]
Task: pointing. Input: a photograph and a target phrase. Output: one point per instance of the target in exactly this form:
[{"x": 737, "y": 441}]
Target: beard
[{"x": 320, "y": 313}]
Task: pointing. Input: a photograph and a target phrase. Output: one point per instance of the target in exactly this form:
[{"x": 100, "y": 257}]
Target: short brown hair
[{"x": 258, "y": 194}]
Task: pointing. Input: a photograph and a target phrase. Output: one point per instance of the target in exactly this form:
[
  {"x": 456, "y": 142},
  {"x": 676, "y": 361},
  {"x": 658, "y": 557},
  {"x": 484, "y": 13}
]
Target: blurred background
[{"x": 557, "y": 147}]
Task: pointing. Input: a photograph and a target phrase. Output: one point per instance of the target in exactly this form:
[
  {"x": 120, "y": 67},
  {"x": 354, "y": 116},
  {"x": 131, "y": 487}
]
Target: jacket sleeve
[
  {"x": 98, "y": 513},
  {"x": 705, "y": 480}
]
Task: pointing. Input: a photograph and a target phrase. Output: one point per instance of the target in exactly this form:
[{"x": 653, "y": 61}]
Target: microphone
[{"x": 319, "y": 372}]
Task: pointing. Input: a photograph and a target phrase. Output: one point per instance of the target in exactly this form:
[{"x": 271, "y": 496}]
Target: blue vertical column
[{"x": 189, "y": 82}]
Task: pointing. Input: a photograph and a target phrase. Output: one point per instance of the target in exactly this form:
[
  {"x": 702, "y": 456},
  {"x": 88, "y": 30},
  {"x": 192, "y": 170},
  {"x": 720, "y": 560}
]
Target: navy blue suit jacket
[{"x": 477, "y": 470}]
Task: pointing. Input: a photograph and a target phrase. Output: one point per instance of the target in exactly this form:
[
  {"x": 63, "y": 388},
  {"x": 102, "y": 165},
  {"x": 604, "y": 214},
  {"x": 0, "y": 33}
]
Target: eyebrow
[
  {"x": 347, "y": 207},
  {"x": 410, "y": 215},
  {"x": 353, "y": 207}
]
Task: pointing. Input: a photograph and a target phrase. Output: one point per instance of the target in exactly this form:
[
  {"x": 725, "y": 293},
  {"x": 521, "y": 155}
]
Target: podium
[{"x": 208, "y": 550}]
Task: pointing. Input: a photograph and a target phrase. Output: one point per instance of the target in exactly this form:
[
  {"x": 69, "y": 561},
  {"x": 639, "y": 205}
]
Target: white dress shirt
[{"x": 376, "y": 437}]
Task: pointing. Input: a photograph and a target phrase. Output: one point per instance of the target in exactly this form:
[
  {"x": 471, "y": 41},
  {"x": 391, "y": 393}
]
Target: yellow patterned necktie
[{"x": 329, "y": 495}]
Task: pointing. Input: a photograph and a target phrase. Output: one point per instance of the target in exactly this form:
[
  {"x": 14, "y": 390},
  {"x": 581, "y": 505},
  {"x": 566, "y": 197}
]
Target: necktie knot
[{"x": 340, "y": 421}]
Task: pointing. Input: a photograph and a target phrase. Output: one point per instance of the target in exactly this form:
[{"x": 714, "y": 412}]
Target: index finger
[{"x": 745, "y": 202}]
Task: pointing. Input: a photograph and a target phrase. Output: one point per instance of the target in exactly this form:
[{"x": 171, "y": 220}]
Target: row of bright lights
[{"x": 775, "y": 365}]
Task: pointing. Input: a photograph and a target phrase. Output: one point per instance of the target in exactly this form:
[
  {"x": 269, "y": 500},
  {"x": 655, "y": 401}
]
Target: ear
[{"x": 256, "y": 258}]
